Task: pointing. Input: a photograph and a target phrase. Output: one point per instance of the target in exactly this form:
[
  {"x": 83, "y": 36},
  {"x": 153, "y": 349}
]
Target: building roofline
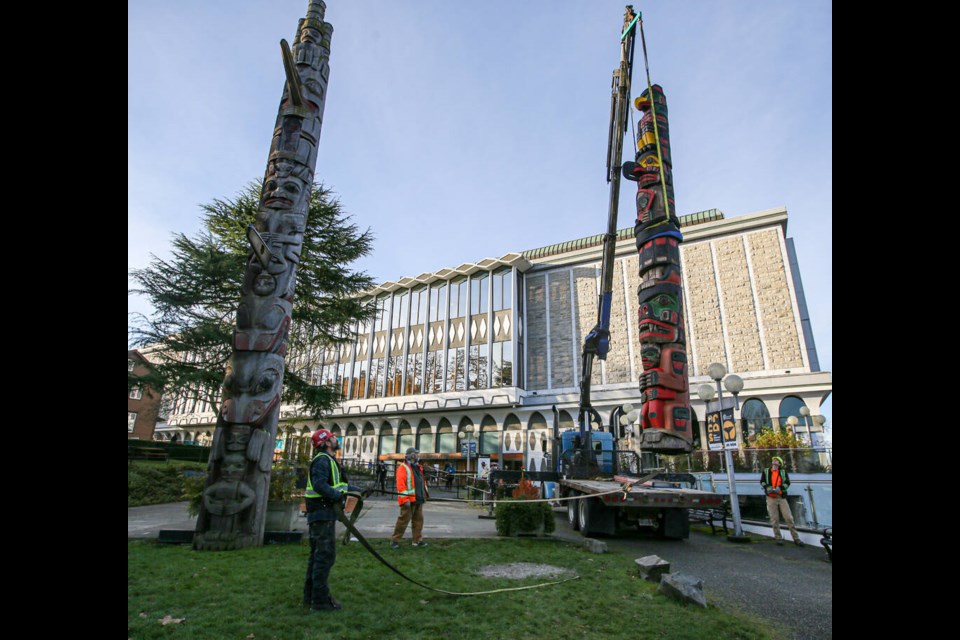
[
  {"x": 696, "y": 226},
  {"x": 699, "y": 217},
  {"x": 465, "y": 269}
]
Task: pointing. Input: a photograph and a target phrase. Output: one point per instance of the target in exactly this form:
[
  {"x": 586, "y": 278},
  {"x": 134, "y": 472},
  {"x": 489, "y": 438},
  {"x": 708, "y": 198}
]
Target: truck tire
[
  {"x": 572, "y": 513},
  {"x": 674, "y": 524},
  {"x": 583, "y": 515}
]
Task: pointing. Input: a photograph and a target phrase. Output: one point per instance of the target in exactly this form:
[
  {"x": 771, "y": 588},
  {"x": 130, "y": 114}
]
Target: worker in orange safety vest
[{"x": 412, "y": 493}]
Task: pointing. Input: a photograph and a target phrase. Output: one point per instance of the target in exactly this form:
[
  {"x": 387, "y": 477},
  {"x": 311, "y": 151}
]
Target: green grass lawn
[{"x": 256, "y": 594}]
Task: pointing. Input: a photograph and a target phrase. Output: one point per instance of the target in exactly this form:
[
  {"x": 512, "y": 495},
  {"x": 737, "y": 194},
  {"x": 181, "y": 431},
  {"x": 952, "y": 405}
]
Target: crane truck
[{"x": 588, "y": 463}]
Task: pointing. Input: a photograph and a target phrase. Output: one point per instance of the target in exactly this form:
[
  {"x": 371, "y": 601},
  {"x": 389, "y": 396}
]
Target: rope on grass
[{"x": 349, "y": 525}]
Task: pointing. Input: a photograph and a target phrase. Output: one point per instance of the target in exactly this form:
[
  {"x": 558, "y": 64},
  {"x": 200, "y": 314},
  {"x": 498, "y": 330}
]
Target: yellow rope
[{"x": 653, "y": 112}]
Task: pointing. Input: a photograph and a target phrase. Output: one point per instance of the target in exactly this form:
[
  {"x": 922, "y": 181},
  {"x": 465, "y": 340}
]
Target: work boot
[
  {"x": 330, "y": 605},
  {"x": 779, "y": 543},
  {"x": 799, "y": 543}
]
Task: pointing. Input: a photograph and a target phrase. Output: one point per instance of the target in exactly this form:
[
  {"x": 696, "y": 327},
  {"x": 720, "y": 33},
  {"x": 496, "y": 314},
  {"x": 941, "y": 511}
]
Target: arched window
[
  {"x": 388, "y": 441},
  {"x": 790, "y": 406},
  {"x": 754, "y": 418},
  {"x": 488, "y": 436},
  {"x": 446, "y": 438},
  {"x": 407, "y": 437},
  {"x": 426, "y": 443}
]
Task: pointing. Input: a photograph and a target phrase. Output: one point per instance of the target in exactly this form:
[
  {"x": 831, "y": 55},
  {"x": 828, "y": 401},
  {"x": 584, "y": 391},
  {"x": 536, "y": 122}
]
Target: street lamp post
[
  {"x": 817, "y": 420},
  {"x": 734, "y": 385},
  {"x": 805, "y": 412},
  {"x": 467, "y": 441}
]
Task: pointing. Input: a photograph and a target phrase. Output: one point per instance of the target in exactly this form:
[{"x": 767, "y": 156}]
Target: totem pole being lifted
[
  {"x": 665, "y": 418},
  {"x": 234, "y": 502}
]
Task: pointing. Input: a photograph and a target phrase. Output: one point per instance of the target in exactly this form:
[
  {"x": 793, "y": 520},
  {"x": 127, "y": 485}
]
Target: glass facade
[
  {"x": 449, "y": 336},
  {"x": 361, "y": 366},
  {"x": 456, "y": 336},
  {"x": 437, "y": 315},
  {"x": 415, "y": 340},
  {"x": 378, "y": 364}
]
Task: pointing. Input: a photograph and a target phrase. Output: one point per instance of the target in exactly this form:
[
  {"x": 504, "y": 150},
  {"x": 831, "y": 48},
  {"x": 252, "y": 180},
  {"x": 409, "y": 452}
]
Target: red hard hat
[{"x": 320, "y": 437}]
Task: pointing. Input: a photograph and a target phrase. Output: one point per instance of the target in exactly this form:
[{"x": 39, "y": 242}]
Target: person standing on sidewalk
[
  {"x": 775, "y": 482},
  {"x": 449, "y": 470},
  {"x": 382, "y": 476},
  {"x": 326, "y": 486},
  {"x": 412, "y": 493}
]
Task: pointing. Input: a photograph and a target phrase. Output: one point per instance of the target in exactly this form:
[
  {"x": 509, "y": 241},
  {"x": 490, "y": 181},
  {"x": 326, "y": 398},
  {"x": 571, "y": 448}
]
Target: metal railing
[{"x": 745, "y": 460}]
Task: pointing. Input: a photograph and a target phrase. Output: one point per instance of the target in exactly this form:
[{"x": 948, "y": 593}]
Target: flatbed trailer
[{"x": 655, "y": 504}]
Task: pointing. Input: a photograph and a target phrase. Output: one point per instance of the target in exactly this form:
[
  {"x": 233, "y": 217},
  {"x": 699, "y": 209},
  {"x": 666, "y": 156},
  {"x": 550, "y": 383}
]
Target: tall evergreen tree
[{"x": 196, "y": 292}]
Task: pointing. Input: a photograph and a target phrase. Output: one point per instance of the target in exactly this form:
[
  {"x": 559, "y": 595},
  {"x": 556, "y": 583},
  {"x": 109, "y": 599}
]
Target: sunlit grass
[{"x": 257, "y": 593}]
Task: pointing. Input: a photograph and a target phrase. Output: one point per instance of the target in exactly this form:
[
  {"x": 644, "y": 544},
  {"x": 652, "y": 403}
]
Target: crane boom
[{"x": 597, "y": 343}]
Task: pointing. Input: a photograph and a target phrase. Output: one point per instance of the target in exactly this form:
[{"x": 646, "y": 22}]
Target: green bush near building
[
  {"x": 522, "y": 515},
  {"x": 158, "y": 482}
]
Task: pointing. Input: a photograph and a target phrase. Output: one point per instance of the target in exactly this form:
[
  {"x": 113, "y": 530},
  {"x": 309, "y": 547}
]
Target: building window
[
  {"x": 502, "y": 289},
  {"x": 478, "y": 366},
  {"x": 790, "y": 406},
  {"x": 136, "y": 393},
  {"x": 755, "y": 418},
  {"x": 131, "y": 364},
  {"x": 131, "y": 420},
  {"x": 503, "y": 364}
]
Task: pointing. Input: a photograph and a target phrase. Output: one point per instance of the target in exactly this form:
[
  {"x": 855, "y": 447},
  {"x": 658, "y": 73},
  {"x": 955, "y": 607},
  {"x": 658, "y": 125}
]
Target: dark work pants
[{"x": 323, "y": 553}]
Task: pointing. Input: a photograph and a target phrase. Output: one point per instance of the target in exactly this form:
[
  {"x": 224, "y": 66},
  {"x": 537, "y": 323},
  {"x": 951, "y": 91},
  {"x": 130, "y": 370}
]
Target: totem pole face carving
[
  {"x": 251, "y": 387},
  {"x": 237, "y": 438},
  {"x": 659, "y": 315},
  {"x": 262, "y": 325},
  {"x": 285, "y": 187}
]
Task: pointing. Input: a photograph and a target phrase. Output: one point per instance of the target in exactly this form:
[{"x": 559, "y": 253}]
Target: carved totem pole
[
  {"x": 234, "y": 503},
  {"x": 666, "y": 398}
]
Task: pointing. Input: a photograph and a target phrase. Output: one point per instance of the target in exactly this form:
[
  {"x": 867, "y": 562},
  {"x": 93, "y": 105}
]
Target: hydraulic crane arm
[{"x": 597, "y": 342}]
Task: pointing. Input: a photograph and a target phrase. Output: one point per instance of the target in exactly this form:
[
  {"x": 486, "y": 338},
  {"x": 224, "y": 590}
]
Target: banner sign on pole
[
  {"x": 714, "y": 432},
  {"x": 729, "y": 429}
]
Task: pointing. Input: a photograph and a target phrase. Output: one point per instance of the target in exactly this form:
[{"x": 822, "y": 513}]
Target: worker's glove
[
  {"x": 343, "y": 500},
  {"x": 777, "y": 491}
]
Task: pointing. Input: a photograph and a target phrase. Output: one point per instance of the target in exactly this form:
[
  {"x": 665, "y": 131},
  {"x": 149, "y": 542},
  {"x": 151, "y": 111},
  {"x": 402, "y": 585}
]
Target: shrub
[
  {"x": 783, "y": 439},
  {"x": 156, "y": 483},
  {"x": 522, "y": 514}
]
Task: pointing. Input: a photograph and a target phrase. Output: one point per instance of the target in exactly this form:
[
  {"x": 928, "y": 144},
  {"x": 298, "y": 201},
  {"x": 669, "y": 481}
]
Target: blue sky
[{"x": 460, "y": 131}]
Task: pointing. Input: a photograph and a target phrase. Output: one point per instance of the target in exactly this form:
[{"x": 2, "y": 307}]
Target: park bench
[
  {"x": 827, "y": 542},
  {"x": 711, "y": 517}
]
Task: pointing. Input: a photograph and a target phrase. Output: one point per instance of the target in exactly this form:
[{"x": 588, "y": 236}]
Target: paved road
[{"x": 790, "y": 586}]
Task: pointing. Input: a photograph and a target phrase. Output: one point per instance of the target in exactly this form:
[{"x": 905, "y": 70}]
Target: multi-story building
[
  {"x": 491, "y": 351},
  {"x": 143, "y": 403}
]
